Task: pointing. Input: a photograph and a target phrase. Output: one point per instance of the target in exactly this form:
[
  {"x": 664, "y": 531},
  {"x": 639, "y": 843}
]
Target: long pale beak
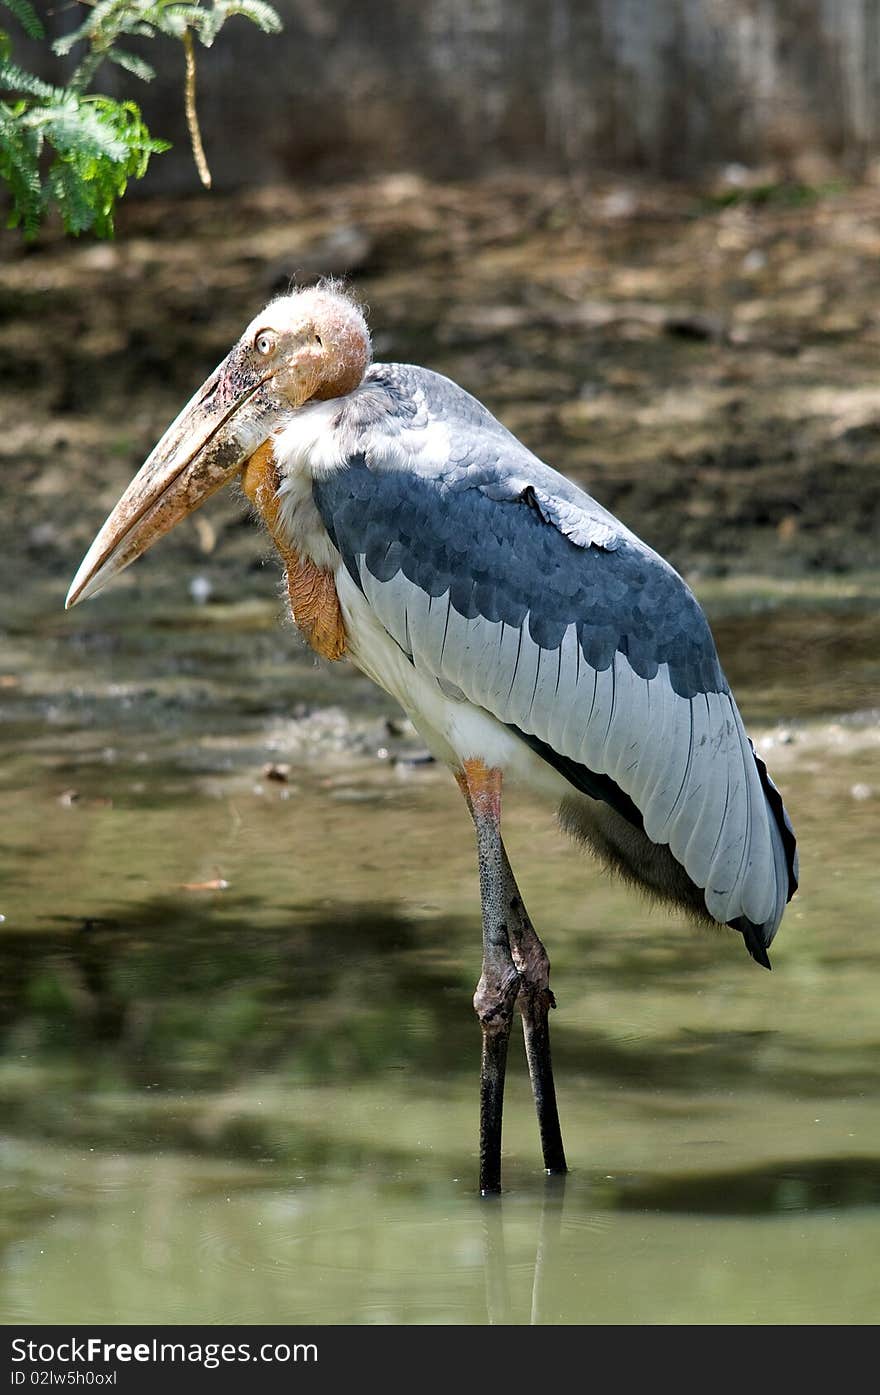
[{"x": 204, "y": 448}]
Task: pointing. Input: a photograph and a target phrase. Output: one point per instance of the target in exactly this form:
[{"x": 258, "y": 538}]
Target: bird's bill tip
[
  {"x": 151, "y": 506},
  {"x": 87, "y": 580},
  {"x": 138, "y": 520},
  {"x": 204, "y": 449}
]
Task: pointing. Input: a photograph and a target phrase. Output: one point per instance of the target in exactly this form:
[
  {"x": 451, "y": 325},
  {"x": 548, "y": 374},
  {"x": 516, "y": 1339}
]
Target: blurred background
[
  {"x": 239, "y": 906},
  {"x": 459, "y": 88}
]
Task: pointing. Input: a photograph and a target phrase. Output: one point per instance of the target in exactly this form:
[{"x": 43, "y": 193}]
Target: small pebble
[
  {"x": 201, "y": 590},
  {"x": 399, "y": 726},
  {"x": 755, "y": 260}
]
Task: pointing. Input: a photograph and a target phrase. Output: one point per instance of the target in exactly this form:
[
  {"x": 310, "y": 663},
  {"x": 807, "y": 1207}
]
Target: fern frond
[
  {"x": 208, "y": 23},
  {"x": 27, "y": 17},
  {"x": 103, "y": 17},
  {"x": 16, "y": 79},
  {"x": 80, "y": 210},
  {"x": 131, "y": 63},
  {"x": 81, "y": 137},
  {"x": 264, "y": 16},
  {"x": 124, "y": 119},
  {"x": 96, "y": 144},
  {"x": 19, "y": 169},
  {"x": 174, "y": 19},
  {"x": 63, "y": 45}
]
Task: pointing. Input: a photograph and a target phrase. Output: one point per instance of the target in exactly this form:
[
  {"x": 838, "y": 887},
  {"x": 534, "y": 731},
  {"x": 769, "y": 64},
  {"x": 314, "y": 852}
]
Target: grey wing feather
[
  {"x": 583, "y": 528},
  {"x": 709, "y": 818},
  {"x": 673, "y": 749},
  {"x": 628, "y": 728},
  {"x": 510, "y": 585},
  {"x": 568, "y": 668}
]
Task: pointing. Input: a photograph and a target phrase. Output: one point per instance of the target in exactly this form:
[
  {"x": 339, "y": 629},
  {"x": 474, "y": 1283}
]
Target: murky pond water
[{"x": 241, "y": 935}]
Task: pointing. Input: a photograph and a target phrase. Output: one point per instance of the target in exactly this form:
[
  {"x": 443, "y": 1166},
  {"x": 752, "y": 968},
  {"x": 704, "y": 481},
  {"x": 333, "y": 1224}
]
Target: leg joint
[
  {"x": 531, "y": 959},
  {"x": 494, "y": 1001},
  {"x": 481, "y": 786}
]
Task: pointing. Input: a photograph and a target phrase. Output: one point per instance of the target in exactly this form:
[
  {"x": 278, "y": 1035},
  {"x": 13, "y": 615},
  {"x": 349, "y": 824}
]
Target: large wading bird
[{"x": 525, "y": 631}]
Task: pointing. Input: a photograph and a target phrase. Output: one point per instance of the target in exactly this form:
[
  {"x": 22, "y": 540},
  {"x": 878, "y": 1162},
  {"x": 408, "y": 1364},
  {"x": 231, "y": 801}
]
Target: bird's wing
[{"x": 506, "y": 582}]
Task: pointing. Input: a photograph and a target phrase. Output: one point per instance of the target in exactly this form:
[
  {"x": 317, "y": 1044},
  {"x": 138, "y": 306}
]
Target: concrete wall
[{"x": 458, "y": 87}]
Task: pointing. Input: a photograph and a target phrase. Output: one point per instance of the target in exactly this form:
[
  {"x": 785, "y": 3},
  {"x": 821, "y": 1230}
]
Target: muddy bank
[{"x": 709, "y": 372}]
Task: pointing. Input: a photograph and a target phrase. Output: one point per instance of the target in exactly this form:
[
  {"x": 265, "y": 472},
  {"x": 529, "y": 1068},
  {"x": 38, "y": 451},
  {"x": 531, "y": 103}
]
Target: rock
[{"x": 278, "y": 771}]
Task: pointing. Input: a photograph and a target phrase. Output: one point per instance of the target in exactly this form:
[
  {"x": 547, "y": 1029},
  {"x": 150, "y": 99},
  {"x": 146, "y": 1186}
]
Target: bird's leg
[
  {"x": 534, "y": 1002},
  {"x": 499, "y": 982}
]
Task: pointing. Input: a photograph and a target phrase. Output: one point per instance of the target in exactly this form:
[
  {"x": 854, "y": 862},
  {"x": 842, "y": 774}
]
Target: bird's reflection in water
[
  {"x": 549, "y": 1228},
  {"x": 499, "y": 1308},
  {"x": 498, "y": 1305}
]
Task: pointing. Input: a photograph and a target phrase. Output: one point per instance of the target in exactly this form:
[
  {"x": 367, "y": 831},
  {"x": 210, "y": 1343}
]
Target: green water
[{"x": 238, "y": 1078}]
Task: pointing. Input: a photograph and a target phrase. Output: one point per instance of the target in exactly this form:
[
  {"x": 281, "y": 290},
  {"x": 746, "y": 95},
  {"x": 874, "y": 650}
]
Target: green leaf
[
  {"x": 264, "y": 16},
  {"x": 82, "y": 205},
  {"x": 174, "y": 19},
  {"x": 65, "y": 43},
  {"x": 15, "y": 79},
  {"x": 80, "y": 136},
  {"x": 27, "y": 17},
  {"x": 92, "y": 144},
  {"x": 97, "y": 146},
  {"x": 107, "y": 16},
  {"x": 132, "y": 64},
  {"x": 258, "y": 12},
  {"x": 19, "y": 169}
]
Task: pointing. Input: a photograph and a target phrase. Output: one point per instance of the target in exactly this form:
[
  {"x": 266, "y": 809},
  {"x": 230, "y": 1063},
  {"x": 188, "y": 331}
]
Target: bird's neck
[{"x": 311, "y": 588}]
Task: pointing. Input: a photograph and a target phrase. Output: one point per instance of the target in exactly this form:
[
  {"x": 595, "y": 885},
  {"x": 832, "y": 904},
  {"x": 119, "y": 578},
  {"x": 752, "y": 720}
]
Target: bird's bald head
[{"x": 314, "y": 342}]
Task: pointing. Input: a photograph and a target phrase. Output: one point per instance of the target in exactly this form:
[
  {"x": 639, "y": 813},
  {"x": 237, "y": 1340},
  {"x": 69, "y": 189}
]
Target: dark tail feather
[
  {"x": 780, "y": 813},
  {"x": 758, "y": 937},
  {"x": 754, "y": 937}
]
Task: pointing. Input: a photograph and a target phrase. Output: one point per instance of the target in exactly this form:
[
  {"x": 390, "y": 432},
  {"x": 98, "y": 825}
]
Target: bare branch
[{"x": 192, "y": 116}]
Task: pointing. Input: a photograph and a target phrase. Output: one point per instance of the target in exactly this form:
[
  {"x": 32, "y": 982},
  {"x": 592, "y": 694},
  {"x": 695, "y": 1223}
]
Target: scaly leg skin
[
  {"x": 499, "y": 984},
  {"x": 508, "y": 935},
  {"x": 516, "y": 970},
  {"x": 534, "y": 1002}
]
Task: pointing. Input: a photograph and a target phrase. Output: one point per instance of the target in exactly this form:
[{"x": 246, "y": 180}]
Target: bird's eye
[
  {"x": 264, "y": 343},
  {"x": 319, "y": 341}
]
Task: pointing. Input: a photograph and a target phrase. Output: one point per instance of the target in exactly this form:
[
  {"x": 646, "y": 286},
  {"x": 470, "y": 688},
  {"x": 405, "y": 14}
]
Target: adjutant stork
[{"x": 526, "y": 632}]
